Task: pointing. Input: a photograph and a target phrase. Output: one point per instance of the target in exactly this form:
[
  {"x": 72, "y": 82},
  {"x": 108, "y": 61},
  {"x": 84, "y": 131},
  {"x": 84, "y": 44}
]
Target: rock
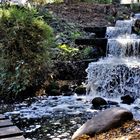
[
  {"x": 79, "y": 99},
  {"x": 80, "y": 90},
  {"x": 54, "y": 98},
  {"x": 65, "y": 88},
  {"x": 53, "y": 89},
  {"x": 112, "y": 103},
  {"x": 55, "y": 92},
  {"x": 98, "y": 101},
  {"x": 68, "y": 93},
  {"x": 136, "y": 27},
  {"x": 108, "y": 119},
  {"x": 127, "y": 99}
]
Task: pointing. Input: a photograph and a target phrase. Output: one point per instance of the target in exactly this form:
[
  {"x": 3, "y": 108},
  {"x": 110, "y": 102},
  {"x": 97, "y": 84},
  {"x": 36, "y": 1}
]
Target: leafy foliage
[
  {"x": 24, "y": 44},
  {"x": 66, "y": 52},
  {"x": 70, "y": 53}
]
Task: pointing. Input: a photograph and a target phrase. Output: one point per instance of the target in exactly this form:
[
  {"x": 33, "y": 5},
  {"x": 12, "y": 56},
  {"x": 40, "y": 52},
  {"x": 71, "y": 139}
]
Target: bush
[{"x": 24, "y": 44}]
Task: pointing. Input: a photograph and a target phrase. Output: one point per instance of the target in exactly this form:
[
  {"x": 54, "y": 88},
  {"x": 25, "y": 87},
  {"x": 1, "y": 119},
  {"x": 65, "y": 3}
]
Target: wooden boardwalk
[{"x": 8, "y": 131}]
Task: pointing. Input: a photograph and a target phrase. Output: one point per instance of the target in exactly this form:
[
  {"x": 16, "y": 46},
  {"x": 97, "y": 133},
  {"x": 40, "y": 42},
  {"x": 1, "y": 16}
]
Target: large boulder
[{"x": 108, "y": 119}]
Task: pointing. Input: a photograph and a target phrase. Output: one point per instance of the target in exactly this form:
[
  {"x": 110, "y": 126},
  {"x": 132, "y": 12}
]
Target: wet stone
[
  {"x": 127, "y": 99},
  {"x": 112, "y": 103},
  {"x": 98, "y": 102}
]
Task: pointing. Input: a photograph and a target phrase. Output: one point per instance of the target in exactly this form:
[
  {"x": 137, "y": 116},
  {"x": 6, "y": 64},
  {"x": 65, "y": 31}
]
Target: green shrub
[
  {"x": 24, "y": 44},
  {"x": 66, "y": 52}
]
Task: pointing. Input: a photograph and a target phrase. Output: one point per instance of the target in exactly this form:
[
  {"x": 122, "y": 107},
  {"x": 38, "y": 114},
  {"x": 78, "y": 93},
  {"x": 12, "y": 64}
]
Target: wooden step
[
  {"x": 99, "y": 44},
  {"x": 10, "y": 131},
  {"x": 2, "y": 117},
  {"x": 99, "y": 31},
  {"x": 96, "y": 42}
]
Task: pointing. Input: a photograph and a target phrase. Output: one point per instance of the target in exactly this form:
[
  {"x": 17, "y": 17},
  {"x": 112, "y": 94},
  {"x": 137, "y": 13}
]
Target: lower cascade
[
  {"x": 113, "y": 77},
  {"x": 118, "y": 74}
]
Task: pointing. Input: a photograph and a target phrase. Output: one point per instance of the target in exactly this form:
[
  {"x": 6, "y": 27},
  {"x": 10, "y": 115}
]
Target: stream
[{"x": 116, "y": 75}]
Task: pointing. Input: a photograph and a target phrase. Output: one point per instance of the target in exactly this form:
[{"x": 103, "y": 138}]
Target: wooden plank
[
  {"x": 11, "y": 131},
  {"x": 100, "y": 32},
  {"x": 4, "y": 123},
  {"x": 14, "y": 138},
  {"x": 2, "y": 117}
]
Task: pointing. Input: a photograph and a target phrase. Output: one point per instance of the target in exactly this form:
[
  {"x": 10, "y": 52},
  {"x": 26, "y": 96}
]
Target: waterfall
[
  {"x": 113, "y": 77},
  {"x": 122, "y": 28},
  {"x": 119, "y": 72},
  {"x": 123, "y": 47},
  {"x": 121, "y": 43}
]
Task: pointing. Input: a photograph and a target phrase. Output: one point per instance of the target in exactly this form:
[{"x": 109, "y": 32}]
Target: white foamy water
[
  {"x": 114, "y": 32},
  {"x": 113, "y": 77},
  {"x": 122, "y": 28},
  {"x": 124, "y": 47},
  {"x": 47, "y": 106},
  {"x": 124, "y": 23}
]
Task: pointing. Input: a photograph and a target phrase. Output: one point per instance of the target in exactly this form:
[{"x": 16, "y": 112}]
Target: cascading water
[
  {"x": 119, "y": 73},
  {"x": 117, "y": 31}
]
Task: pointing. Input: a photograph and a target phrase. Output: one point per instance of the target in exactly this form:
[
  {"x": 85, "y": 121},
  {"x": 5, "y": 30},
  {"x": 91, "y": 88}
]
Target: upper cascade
[
  {"x": 121, "y": 41},
  {"x": 115, "y": 32},
  {"x": 125, "y": 23}
]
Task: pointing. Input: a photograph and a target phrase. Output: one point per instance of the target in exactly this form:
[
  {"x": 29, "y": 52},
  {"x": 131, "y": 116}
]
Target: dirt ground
[{"x": 90, "y": 14}]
